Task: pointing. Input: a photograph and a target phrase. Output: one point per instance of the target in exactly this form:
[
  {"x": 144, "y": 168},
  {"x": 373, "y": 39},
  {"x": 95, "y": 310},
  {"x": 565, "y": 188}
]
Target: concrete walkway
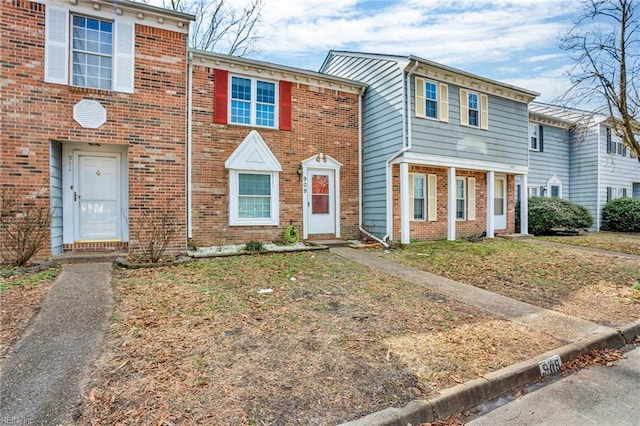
[
  {"x": 558, "y": 325},
  {"x": 42, "y": 377}
]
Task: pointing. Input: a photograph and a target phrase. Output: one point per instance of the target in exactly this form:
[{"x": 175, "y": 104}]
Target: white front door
[
  {"x": 500, "y": 203},
  {"x": 321, "y": 202},
  {"x": 96, "y": 196}
]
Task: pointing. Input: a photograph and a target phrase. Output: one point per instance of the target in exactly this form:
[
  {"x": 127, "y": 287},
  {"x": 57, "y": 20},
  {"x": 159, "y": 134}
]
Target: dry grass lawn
[
  {"x": 586, "y": 284},
  {"x": 609, "y": 241},
  {"x": 21, "y": 297},
  {"x": 333, "y": 341}
]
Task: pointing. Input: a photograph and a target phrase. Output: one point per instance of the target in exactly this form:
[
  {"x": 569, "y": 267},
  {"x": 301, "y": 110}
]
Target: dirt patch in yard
[
  {"x": 288, "y": 339},
  {"x": 590, "y": 285},
  {"x": 21, "y": 298}
]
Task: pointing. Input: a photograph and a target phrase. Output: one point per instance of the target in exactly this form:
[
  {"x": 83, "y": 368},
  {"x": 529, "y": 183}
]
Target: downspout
[
  {"x": 406, "y": 130},
  {"x": 189, "y": 141},
  {"x": 360, "y": 172},
  {"x": 598, "y": 182}
]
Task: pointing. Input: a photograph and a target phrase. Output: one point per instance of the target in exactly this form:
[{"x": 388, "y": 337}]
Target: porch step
[
  {"x": 515, "y": 236},
  {"x": 89, "y": 257},
  {"x": 329, "y": 243}
]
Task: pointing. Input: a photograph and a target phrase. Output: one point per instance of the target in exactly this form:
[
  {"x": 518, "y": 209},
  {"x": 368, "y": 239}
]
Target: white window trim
[
  {"x": 537, "y": 135},
  {"x": 253, "y": 103},
  {"x": 553, "y": 181},
  {"x": 532, "y": 188},
  {"x": 464, "y": 209},
  {"x": 442, "y": 100},
  {"x": 483, "y": 109},
  {"x": 253, "y": 156},
  {"x": 58, "y": 58},
  {"x": 234, "y": 202},
  {"x": 423, "y": 176}
]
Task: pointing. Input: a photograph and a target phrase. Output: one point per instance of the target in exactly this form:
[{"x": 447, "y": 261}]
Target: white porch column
[
  {"x": 451, "y": 211},
  {"x": 524, "y": 205},
  {"x": 404, "y": 204},
  {"x": 490, "y": 203}
]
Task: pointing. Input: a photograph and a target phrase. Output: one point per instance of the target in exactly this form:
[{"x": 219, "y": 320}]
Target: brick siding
[{"x": 151, "y": 123}]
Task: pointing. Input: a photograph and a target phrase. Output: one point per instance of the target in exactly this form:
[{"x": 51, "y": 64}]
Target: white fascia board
[{"x": 461, "y": 163}]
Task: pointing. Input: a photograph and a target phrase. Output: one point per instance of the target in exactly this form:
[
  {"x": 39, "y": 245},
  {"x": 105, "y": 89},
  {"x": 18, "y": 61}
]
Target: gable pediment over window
[
  {"x": 251, "y": 101},
  {"x": 85, "y": 51},
  {"x": 253, "y": 183}
]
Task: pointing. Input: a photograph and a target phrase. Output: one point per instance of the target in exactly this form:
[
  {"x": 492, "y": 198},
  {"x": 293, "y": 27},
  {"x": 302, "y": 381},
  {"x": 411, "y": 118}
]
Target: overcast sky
[{"x": 510, "y": 41}]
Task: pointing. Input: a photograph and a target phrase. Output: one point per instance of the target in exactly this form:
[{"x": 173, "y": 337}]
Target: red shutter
[
  {"x": 220, "y": 87},
  {"x": 285, "y": 105}
]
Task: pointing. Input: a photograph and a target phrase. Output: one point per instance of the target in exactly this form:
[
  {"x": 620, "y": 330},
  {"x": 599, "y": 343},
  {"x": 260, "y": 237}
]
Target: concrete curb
[{"x": 475, "y": 392}]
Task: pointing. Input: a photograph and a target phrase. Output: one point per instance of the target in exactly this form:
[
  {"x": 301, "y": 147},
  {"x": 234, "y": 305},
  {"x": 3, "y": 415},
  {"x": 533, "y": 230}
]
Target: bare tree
[
  {"x": 605, "y": 45},
  {"x": 220, "y": 26}
]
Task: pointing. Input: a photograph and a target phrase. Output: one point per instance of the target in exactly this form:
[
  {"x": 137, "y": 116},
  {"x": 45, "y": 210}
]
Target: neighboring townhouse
[
  {"x": 575, "y": 155},
  {"x": 94, "y": 101},
  {"x": 271, "y": 146},
  {"x": 442, "y": 147},
  {"x": 110, "y": 120}
]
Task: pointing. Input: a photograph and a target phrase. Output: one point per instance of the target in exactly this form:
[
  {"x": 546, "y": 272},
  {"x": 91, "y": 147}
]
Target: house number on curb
[{"x": 550, "y": 366}]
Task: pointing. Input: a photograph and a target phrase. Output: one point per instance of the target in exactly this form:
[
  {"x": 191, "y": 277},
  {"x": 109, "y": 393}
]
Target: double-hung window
[
  {"x": 431, "y": 100},
  {"x": 92, "y": 52},
  {"x": 418, "y": 197},
  {"x": 254, "y": 196},
  {"x": 474, "y": 109},
  {"x": 461, "y": 199},
  {"x": 253, "y": 102},
  {"x": 89, "y": 52},
  {"x": 533, "y": 137}
]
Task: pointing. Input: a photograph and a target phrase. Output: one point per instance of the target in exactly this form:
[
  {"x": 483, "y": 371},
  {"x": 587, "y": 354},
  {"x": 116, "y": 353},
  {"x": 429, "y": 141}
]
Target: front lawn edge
[{"x": 477, "y": 391}]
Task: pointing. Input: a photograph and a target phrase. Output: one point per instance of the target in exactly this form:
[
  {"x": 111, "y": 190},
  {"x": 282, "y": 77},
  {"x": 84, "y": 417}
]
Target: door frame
[
  {"x": 320, "y": 162},
  {"x": 504, "y": 201},
  {"x": 76, "y": 185},
  {"x": 68, "y": 181}
]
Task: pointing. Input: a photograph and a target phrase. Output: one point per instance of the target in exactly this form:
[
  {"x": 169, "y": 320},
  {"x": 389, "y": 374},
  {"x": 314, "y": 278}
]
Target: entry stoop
[
  {"x": 515, "y": 236},
  {"x": 329, "y": 243}
]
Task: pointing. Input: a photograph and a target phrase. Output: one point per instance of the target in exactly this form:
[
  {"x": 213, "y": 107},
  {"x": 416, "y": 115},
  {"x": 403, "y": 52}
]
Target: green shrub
[
  {"x": 546, "y": 214},
  {"x": 254, "y": 247},
  {"x": 622, "y": 215}
]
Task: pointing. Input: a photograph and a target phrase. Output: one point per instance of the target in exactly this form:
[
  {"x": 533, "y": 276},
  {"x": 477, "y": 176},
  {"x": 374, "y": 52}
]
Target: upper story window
[
  {"x": 253, "y": 102},
  {"x": 92, "y": 48},
  {"x": 533, "y": 136},
  {"x": 431, "y": 100},
  {"x": 89, "y": 52},
  {"x": 474, "y": 109},
  {"x": 536, "y": 137},
  {"x": 615, "y": 146}
]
